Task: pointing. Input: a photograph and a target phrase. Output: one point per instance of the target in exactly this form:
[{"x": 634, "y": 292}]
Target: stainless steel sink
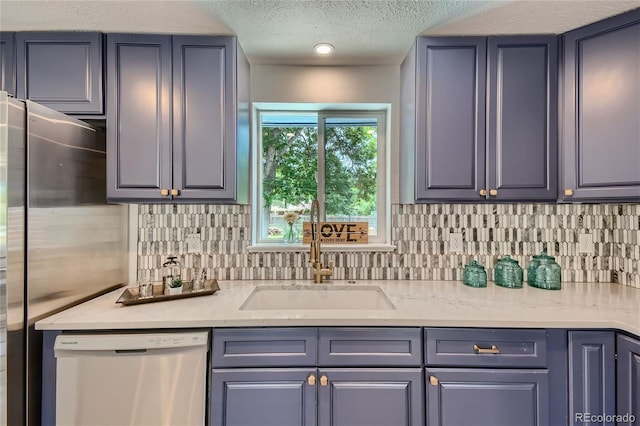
[{"x": 317, "y": 296}]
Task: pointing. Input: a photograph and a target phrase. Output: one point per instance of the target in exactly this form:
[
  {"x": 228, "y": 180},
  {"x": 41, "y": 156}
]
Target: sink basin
[{"x": 317, "y": 296}]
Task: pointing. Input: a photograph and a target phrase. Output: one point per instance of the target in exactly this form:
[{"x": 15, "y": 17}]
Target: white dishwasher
[{"x": 131, "y": 379}]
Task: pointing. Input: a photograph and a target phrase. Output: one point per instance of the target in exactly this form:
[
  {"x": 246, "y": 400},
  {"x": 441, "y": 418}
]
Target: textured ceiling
[{"x": 284, "y": 31}]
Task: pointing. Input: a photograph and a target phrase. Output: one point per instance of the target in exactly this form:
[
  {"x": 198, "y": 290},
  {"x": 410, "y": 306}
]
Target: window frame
[{"x": 382, "y": 113}]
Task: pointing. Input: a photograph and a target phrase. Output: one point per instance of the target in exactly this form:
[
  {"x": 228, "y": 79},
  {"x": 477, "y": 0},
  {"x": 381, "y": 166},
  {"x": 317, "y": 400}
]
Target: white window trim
[{"x": 383, "y": 240}]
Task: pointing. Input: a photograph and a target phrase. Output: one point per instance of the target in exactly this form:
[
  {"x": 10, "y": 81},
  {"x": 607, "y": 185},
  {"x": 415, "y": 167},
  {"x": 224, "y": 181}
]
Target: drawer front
[
  {"x": 367, "y": 347},
  {"x": 264, "y": 347},
  {"x": 485, "y": 347}
]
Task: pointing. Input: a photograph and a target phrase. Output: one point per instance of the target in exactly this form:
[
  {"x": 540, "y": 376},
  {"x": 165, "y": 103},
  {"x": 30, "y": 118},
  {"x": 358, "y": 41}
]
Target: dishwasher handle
[{"x": 131, "y": 351}]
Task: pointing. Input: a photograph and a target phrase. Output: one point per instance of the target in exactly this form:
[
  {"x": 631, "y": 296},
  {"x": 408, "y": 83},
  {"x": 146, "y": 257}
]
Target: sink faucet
[{"x": 319, "y": 271}]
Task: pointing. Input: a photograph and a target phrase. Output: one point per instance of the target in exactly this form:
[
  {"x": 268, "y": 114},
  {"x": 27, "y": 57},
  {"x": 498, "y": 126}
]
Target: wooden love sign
[{"x": 338, "y": 232}]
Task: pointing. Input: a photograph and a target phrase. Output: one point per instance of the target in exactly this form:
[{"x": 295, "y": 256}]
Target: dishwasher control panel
[{"x": 110, "y": 342}]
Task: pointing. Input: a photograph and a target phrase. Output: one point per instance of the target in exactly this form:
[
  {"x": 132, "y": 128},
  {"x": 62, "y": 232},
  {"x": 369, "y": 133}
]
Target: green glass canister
[
  {"x": 474, "y": 275},
  {"x": 531, "y": 269},
  {"x": 548, "y": 274},
  {"x": 508, "y": 273}
]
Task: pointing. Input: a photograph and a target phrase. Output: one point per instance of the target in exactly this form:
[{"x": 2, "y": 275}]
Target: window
[{"x": 338, "y": 157}]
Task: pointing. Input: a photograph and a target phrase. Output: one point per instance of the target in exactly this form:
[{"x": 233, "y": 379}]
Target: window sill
[{"x": 326, "y": 248}]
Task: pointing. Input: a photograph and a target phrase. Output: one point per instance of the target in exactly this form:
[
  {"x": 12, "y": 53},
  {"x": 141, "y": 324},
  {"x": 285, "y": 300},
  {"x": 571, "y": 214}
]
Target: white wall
[{"x": 333, "y": 85}]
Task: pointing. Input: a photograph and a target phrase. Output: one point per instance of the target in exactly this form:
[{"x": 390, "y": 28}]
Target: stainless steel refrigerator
[{"x": 60, "y": 243}]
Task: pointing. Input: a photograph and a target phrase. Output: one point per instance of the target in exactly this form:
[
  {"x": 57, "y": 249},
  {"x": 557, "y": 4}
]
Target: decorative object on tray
[
  {"x": 131, "y": 296},
  {"x": 198, "y": 277},
  {"x": 175, "y": 287},
  {"x": 171, "y": 272}
]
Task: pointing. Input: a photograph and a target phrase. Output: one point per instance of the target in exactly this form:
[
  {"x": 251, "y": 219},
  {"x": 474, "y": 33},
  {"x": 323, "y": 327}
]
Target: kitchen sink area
[{"x": 317, "y": 296}]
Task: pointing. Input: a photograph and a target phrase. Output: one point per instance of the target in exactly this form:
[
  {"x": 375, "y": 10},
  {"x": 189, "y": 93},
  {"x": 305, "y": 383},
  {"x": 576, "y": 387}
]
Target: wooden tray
[{"x": 132, "y": 297}]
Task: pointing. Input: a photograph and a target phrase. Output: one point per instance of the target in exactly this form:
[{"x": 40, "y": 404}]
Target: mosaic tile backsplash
[{"x": 419, "y": 232}]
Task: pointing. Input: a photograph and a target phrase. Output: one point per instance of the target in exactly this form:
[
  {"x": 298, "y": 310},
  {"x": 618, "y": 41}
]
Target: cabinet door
[
  {"x": 601, "y": 143},
  {"x": 628, "y": 380},
  {"x": 522, "y": 118},
  {"x": 450, "y": 105},
  {"x": 60, "y": 70},
  {"x": 263, "y": 397},
  {"x": 370, "y": 397},
  {"x": 592, "y": 384},
  {"x": 138, "y": 117},
  {"x": 479, "y": 397},
  {"x": 204, "y": 131},
  {"x": 7, "y": 63}
]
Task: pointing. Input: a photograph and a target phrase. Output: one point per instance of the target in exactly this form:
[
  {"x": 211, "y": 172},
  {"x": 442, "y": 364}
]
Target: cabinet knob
[
  {"x": 175, "y": 192},
  {"x": 483, "y": 192},
  {"x": 493, "y": 192},
  {"x": 433, "y": 380},
  {"x": 492, "y": 350},
  {"x": 324, "y": 381},
  {"x": 568, "y": 192},
  {"x": 164, "y": 192},
  {"x": 311, "y": 380}
]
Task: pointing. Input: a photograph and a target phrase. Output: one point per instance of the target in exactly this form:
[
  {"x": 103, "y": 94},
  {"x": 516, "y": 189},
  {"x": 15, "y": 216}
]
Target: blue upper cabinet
[
  {"x": 138, "y": 116},
  {"x": 204, "y": 158},
  {"x": 480, "y": 114},
  {"x": 449, "y": 95},
  {"x": 522, "y": 128},
  {"x": 601, "y": 129},
  {"x": 177, "y": 119},
  {"x": 7, "y": 63},
  {"x": 61, "y": 70}
]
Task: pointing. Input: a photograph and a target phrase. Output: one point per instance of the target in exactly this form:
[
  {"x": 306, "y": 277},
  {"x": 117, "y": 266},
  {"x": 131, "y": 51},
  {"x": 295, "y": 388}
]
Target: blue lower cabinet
[
  {"x": 628, "y": 412},
  {"x": 370, "y": 397},
  {"x": 592, "y": 376},
  {"x": 263, "y": 397},
  {"x": 491, "y": 397}
]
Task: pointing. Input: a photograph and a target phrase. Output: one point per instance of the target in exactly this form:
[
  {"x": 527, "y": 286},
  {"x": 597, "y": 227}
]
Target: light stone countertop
[{"x": 418, "y": 303}]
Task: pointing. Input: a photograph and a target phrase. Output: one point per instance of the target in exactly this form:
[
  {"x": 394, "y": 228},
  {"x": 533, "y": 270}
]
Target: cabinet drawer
[
  {"x": 369, "y": 347},
  {"x": 485, "y": 348},
  {"x": 264, "y": 347}
]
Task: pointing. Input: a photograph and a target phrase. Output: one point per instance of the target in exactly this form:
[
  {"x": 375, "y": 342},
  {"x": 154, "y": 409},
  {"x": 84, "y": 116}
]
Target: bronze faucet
[{"x": 319, "y": 271}]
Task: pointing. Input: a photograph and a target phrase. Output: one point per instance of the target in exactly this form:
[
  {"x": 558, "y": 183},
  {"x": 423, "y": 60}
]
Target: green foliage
[{"x": 289, "y": 161}]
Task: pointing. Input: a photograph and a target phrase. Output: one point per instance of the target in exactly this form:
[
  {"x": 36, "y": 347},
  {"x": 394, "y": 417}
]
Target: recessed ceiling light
[{"x": 323, "y": 49}]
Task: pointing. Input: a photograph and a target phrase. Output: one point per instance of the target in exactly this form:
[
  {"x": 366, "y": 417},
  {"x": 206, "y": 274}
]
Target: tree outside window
[{"x": 347, "y": 181}]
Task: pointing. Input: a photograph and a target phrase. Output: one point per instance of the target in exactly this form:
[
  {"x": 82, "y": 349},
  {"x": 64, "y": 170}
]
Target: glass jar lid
[{"x": 475, "y": 266}]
